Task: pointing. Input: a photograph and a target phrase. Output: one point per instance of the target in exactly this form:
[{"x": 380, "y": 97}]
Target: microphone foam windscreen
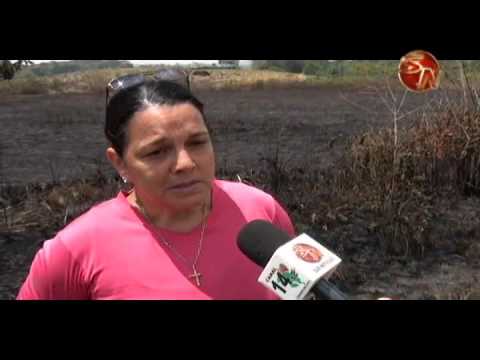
[{"x": 259, "y": 239}]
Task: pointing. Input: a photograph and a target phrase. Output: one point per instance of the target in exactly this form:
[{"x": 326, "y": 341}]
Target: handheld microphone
[{"x": 295, "y": 268}]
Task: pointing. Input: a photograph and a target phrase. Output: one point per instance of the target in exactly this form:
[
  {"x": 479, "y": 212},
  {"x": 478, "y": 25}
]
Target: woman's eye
[
  {"x": 158, "y": 152},
  {"x": 198, "y": 143}
]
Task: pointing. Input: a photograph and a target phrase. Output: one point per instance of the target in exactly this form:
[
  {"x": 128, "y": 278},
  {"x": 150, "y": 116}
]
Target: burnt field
[
  {"x": 59, "y": 137},
  {"x": 262, "y": 135}
]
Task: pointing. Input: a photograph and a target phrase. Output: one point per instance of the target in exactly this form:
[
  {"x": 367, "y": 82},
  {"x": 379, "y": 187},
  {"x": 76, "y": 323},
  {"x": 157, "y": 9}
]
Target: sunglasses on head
[{"x": 178, "y": 76}]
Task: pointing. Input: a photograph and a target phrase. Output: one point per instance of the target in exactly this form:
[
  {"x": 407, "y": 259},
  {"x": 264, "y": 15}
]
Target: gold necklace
[{"x": 196, "y": 275}]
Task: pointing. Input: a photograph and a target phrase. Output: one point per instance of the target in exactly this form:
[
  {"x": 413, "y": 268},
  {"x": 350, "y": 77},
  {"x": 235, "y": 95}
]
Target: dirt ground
[
  {"x": 49, "y": 138},
  {"x": 57, "y": 137}
]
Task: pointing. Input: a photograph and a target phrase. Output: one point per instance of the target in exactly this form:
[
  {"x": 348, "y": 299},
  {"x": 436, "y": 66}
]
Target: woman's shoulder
[
  {"x": 247, "y": 197},
  {"x": 243, "y": 191},
  {"x": 254, "y": 203},
  {"x": 102, "y": 211},
  {"x": 101, "y": 217}
]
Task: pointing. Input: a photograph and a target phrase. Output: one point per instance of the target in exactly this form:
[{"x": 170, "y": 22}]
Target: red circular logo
[
  {"x": 419, "y": 71},
  {"x": 307, "y": 253}
]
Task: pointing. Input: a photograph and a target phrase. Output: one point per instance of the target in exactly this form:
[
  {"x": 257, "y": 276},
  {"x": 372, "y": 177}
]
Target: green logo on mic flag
[{"x": 287, "y": 277}]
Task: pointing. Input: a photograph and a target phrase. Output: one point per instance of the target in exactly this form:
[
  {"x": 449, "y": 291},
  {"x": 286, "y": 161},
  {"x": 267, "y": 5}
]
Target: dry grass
[
  {"x": 439, "y": 152},
  {"x": 248, "y": 79},
  {"x": 95, "y": 81},
  {"x": 398, "y": 175},
  {"x": 49, "y": 207}
]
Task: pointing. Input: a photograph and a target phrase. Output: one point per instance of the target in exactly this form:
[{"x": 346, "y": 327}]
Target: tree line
[{"x": 9, "y": 69}]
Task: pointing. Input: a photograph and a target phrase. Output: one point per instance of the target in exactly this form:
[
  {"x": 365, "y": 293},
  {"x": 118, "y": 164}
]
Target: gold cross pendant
[{"x": 196, "y": 275}]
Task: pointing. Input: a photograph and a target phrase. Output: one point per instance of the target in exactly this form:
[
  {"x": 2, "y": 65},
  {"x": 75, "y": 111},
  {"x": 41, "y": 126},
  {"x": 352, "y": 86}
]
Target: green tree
[{"x": 8, "y": 69}]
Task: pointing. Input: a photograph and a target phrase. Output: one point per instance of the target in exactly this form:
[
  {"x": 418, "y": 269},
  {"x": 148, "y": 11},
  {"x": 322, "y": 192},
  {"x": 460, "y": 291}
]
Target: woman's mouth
[{"x": 186, "y": 186}]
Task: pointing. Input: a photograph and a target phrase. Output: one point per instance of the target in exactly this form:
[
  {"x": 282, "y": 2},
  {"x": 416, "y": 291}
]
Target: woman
[{"x": 173, "y": 236}]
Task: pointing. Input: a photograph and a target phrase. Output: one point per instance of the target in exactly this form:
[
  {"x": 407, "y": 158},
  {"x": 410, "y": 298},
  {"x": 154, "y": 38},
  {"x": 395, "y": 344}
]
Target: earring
[{"x": 125, "y": 180}]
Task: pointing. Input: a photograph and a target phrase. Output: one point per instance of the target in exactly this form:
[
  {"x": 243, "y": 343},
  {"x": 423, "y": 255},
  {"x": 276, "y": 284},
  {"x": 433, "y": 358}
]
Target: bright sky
[{"x": 149, "y": 62}]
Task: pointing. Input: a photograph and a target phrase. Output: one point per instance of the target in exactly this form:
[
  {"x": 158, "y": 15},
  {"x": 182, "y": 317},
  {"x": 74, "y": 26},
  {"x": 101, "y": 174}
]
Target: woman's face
[{"x": 169, "y": 155}]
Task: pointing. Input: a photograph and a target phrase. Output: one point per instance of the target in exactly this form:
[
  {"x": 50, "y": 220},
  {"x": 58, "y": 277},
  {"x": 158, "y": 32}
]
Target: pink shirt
[{"x": 111, "y": 253}]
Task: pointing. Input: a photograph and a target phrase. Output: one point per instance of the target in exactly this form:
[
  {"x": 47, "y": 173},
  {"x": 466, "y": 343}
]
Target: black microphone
[{"x": 259, "y": 240}]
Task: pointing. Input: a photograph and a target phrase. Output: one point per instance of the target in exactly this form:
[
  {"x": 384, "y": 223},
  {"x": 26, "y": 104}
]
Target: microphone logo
[{"x": 307, "y": 253}]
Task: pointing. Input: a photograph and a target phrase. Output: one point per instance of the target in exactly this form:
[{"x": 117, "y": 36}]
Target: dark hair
[{"x": 126, "y": 102}]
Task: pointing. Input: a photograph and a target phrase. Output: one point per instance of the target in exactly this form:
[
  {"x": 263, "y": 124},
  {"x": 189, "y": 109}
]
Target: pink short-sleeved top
[{"x": 112, "y": 253}]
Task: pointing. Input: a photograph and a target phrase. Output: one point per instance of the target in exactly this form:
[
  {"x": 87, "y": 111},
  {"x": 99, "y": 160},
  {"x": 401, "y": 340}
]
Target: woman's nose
[{"x": 184, "y": 161}]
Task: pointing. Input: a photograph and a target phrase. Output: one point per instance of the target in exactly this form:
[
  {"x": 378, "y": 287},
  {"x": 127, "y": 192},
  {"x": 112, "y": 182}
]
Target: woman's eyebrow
[
  {"x": 158, "y": 141},
  {"x": 162, "y": 140},
  {"x": 198, "y": 134}
]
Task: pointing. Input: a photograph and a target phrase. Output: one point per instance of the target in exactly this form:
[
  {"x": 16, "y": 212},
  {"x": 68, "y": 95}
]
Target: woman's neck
[{"x": 178, "y": 220}]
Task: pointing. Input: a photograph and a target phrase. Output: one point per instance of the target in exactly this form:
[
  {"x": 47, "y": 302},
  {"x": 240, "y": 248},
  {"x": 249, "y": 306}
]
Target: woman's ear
[{"x": 117, "y": 162}]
